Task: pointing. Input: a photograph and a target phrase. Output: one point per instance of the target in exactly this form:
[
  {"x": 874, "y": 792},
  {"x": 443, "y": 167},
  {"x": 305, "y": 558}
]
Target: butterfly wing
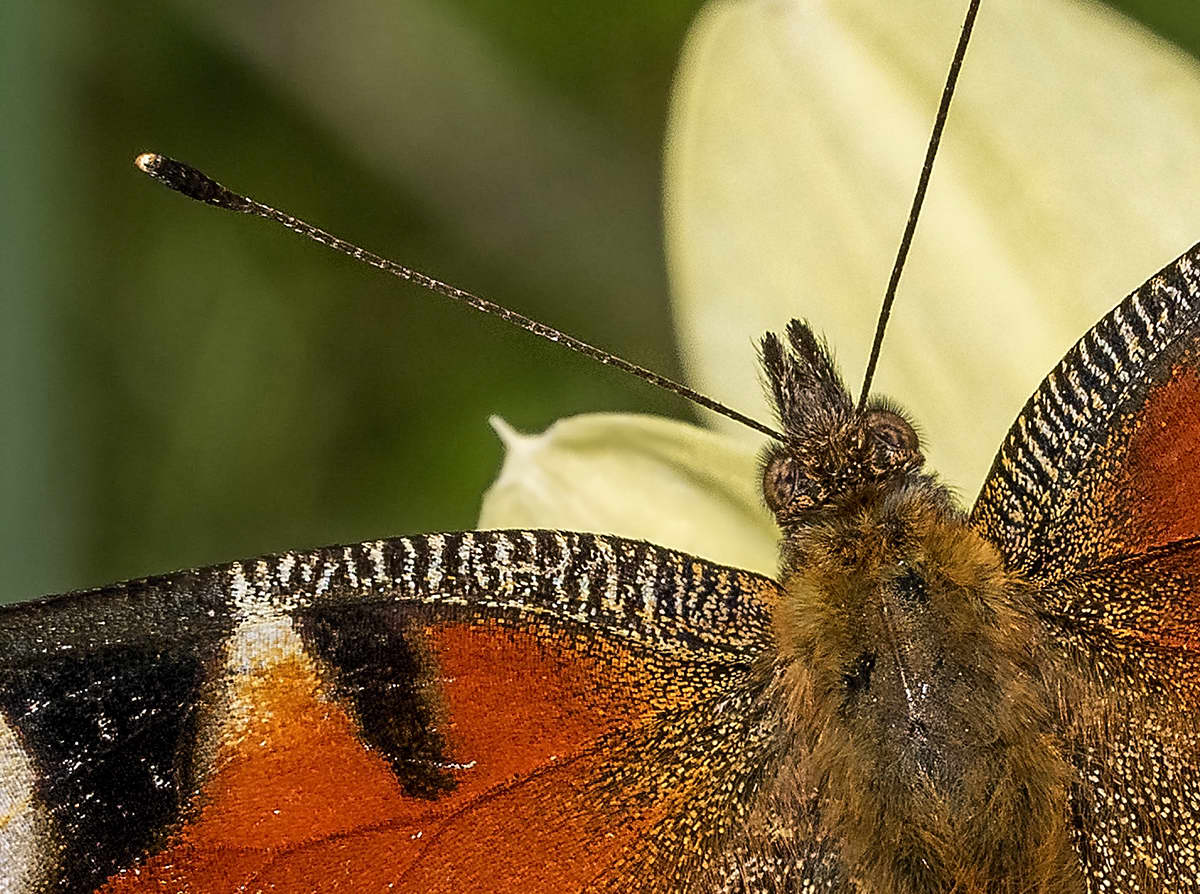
[
  {"x": 456, "y": 712},
  {"x": 1095, "y": 499},
  {"x": 1104, "y": 460}
]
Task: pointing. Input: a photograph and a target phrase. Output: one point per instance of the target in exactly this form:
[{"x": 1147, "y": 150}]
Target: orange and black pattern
[
  {"x": 386, "y": 712},
  {"x": 999, "y": 705},
  {"x": 1104, "y": 460},
  {"x": 1095, "y": 498}
]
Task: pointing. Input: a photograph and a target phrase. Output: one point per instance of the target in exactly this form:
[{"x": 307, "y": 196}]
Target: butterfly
[{"x": 921, "y": 700}]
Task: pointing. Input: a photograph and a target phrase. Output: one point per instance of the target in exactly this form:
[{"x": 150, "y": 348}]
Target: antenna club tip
[
  {"x": 147, "y": 162},
  {"x": 185, "y": 179}
]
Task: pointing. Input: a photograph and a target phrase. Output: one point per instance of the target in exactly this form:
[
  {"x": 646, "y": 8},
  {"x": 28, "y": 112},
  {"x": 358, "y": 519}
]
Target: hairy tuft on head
[
  {"x": 832, "y": 451},
  {"x": 802, "y": 379}
]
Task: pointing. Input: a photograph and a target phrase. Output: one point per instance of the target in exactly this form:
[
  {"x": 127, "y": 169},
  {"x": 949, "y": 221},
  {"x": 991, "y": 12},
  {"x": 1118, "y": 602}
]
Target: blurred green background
[{"x": 180, "y": 387}]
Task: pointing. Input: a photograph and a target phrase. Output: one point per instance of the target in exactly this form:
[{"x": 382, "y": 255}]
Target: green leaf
[
  {"x": 655, "y": 479},
  {"x": 1067, "y": 177}
]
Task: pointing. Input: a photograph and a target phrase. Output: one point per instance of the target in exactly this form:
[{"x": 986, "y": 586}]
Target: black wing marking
[{"x": 103, "y": 687}]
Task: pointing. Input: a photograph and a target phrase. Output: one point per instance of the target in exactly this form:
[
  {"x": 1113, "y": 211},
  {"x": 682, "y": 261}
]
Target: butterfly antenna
[
  {"x": 192, "y": 183},
  {"x": 939, "y": 124}
]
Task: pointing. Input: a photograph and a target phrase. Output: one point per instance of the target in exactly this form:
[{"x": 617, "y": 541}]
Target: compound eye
[
  {"x": 781, "y": 482},
  {"x": 892, "y": 430},
  {"x": 896, "y": 441}
]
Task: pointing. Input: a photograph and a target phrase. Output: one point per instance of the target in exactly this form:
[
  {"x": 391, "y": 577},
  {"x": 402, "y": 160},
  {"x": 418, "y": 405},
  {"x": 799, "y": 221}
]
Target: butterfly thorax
[{"x": 913, "y": 661}]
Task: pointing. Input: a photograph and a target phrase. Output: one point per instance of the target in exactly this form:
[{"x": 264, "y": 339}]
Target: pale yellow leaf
[
  {"x": 655, "y": 479},
  {"x": 1067, "y": 177}
]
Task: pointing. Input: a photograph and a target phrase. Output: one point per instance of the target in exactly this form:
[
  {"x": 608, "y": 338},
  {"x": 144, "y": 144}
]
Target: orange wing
[
  {"x": 494, "y": 711},
  {"x": 1095, "y": 498}
]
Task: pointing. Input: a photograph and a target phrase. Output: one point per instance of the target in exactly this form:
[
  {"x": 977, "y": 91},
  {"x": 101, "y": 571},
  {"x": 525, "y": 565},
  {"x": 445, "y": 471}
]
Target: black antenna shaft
[
  {"x": 192, "y": 183},
  {"x": 939, "y": 124}
]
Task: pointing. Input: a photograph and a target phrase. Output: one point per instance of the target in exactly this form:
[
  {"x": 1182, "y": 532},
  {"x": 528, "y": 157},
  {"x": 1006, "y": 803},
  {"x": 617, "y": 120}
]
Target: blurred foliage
[{"x": 179, "y": 387}]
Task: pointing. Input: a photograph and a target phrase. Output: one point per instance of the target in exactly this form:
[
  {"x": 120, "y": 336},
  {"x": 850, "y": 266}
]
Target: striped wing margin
[
  {"x": 1104, "y": 460},
  {"x": 1095, "y": 498},
  {"x": 465, "y": 711}
]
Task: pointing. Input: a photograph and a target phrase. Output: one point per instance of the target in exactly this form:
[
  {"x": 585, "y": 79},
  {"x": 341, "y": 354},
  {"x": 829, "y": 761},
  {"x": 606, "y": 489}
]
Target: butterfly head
[{"x": 833, "y": 452}]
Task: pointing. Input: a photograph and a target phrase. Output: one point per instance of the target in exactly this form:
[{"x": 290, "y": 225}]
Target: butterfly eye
[
  {"x": 896, "y": 443},
  {"x": 781, "y": 482},
  {"x": 892, "y": 430}
]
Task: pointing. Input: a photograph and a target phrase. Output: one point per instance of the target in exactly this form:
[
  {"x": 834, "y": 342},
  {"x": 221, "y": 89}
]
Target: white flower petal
[
  {"x": 1067, "y": 177},
  {"x": 655, "y": 479}
]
